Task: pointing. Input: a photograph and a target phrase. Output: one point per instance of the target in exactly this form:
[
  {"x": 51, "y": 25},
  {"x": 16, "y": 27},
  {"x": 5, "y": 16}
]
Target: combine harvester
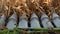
[{"x": 40, "y": 24}]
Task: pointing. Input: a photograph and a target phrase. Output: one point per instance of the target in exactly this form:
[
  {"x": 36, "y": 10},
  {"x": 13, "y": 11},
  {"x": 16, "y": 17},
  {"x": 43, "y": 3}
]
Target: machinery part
[
  {"x": 45, "y": 21},
  {"x": 23, "y": 23},
  {"x": 12, "y": 22},
  {"x": 34, "y": 21},
  {"x": 56, "y": 20},
  {"x": 2, "y": 19}
]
